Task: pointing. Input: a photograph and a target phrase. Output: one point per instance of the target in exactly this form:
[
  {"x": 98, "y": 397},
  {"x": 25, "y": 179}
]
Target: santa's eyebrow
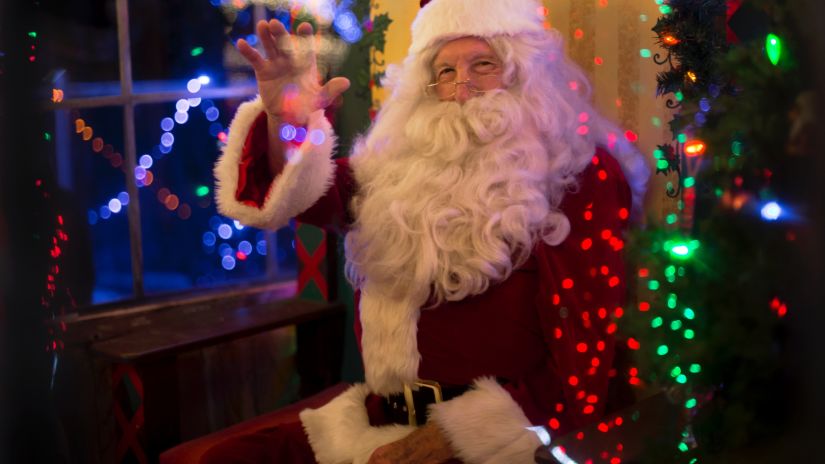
[
  {"x": 477, "y": 56},
  {"x": 483, "y": 55},
  {"x": 442, "y": 65}
]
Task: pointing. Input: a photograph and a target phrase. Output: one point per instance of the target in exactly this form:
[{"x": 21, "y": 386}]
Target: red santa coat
[{"x": 548, "y": 330}]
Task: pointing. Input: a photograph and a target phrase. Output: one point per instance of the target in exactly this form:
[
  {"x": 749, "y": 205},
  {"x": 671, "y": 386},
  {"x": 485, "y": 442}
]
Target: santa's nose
[
  {"x": 462, "y": 88},
  {"x": 462, "y": 94}
]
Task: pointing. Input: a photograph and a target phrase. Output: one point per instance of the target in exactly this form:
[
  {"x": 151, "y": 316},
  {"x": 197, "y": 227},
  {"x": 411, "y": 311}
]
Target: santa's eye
[
  {"x": 485, "y": 67},
  {"x": 445, "y": 74}
]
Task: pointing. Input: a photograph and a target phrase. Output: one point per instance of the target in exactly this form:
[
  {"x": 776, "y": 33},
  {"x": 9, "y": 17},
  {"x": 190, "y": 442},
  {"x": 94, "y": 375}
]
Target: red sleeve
[
  {"x": 254, "y": 174},
  {"x": 583, "y": 290},
  {"x": 255, "y": 179},
  {"x": 333, "y": 209}
]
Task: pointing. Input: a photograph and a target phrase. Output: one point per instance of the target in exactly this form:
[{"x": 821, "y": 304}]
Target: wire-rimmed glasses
[{"x": 478, "y": 82}]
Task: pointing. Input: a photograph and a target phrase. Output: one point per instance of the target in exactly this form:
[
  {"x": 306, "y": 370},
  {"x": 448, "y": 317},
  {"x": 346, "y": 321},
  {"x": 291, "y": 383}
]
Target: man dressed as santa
[{"x": 484, "y": 219}]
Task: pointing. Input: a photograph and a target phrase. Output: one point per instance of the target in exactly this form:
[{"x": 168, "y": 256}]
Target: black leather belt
[{"x": 410, "y": 407}]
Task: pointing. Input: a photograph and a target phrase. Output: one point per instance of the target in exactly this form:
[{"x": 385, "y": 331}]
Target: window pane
[
  {"x": 181, "y": 39},
  {"x": 89, "y": 163},
  {"x": 186, "y": 243},
  {"x": 83, "y": 46}
]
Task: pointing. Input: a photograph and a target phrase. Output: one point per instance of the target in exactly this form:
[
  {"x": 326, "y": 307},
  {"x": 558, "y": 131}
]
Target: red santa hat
[{"x": 441, "y": 20}]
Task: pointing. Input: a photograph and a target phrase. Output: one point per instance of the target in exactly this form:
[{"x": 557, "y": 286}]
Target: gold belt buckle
[{"x": 408, "y": 397}]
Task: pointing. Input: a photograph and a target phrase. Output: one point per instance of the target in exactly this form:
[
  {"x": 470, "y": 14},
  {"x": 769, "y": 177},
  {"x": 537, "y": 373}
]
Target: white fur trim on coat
[
  {"x": 389, "y": 342},
  {"x": 485, "y": 425},
  {"x": 449, "y": 19},
  {"x": 307, "y": 176},
  {"x": 340, "y": 432}
]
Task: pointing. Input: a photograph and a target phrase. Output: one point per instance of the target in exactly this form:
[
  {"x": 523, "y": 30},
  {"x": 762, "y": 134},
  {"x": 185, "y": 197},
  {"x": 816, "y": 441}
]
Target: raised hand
[{"x": 287, "y": 77}]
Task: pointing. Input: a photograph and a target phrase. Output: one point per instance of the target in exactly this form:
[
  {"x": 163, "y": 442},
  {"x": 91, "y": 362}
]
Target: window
[{"x": 144, "y": 92}]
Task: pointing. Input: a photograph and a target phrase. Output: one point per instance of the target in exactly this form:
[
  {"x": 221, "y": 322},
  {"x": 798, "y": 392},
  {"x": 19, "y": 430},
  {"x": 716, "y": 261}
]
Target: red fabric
[
  {"x": 285, "y": 443},
  {"x": 254, "y": 176},
  {"x": 549, "y": 328},
  {"x": 231, "y": 446},
  {"x": 332, "y": 210}
]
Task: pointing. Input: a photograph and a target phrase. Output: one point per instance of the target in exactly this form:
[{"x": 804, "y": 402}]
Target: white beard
[{"x": 452, "y": 204}]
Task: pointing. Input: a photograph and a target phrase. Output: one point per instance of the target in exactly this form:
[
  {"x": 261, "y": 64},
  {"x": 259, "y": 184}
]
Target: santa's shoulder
[{"x": 600, "y": 192}]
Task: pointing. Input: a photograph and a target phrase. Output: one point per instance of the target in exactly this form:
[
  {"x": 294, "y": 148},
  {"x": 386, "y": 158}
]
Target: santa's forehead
[{"x": 462, "y": 47}]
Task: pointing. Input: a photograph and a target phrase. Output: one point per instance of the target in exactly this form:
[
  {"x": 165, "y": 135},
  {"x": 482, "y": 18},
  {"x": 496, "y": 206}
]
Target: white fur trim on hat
[
  {"x": 307, "y": 176},
  {"x": 485, "y": 425},
  {"x": 449, "y": 19},
  {"x": 340, "y": 431}
]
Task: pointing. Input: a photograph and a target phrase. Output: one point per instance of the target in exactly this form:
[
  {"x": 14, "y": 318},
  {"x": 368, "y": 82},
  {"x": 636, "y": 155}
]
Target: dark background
[{"x": 28, "y": 432}]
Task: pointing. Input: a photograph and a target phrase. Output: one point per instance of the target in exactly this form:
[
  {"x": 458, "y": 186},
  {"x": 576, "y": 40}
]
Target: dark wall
[
  {"x": 28, "y": 430},
  {"x": 808, "y": 351}
]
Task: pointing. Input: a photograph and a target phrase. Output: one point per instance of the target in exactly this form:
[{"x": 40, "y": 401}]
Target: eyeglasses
[{"x": 483, "y": 77}]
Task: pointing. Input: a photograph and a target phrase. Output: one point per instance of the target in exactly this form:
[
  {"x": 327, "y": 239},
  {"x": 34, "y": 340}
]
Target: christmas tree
[{"x": 716, "y": 280}]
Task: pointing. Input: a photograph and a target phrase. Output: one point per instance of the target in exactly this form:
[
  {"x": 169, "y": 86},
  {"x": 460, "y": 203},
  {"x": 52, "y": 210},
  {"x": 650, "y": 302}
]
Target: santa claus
[{"x": 484, "y": 212}]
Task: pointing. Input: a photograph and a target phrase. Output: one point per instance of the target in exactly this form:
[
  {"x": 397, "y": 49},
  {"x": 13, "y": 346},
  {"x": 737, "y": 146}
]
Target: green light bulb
[
  {"x": 773, "y": 47},
  {"x": 736, "y": 148},
  {"x": 676, "y": 325},
  {"x": 202, "y": 191},
  {"x": 681, "y": 249}
]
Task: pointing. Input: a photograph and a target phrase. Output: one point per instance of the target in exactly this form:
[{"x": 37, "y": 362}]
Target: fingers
[
  {"x": 305, "y": 29},
  {"x": 304, "y": 47},
  {"x": 269, "y": 35},
  {"x": 332, "y": 90},
  {"x": 276, "y": 28},
  {"x": 252, "y": 56},
  {"x": 280, "y": 37}
]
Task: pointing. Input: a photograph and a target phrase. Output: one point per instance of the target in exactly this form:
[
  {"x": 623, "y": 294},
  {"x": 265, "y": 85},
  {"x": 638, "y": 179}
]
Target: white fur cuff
[
  {"x": 486, "y": 426},
  {"x": 340, "y": 432},
  {"x": 307, "y": 176}
]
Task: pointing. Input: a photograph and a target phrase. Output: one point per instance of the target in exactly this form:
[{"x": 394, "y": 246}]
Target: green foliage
[
  {"x": 377, "y": 37},
  {"x": 739, "y": 106}
]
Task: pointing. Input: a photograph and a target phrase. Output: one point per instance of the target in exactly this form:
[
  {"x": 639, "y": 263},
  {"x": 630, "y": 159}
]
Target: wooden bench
[{"x": 150, "y": 342}]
